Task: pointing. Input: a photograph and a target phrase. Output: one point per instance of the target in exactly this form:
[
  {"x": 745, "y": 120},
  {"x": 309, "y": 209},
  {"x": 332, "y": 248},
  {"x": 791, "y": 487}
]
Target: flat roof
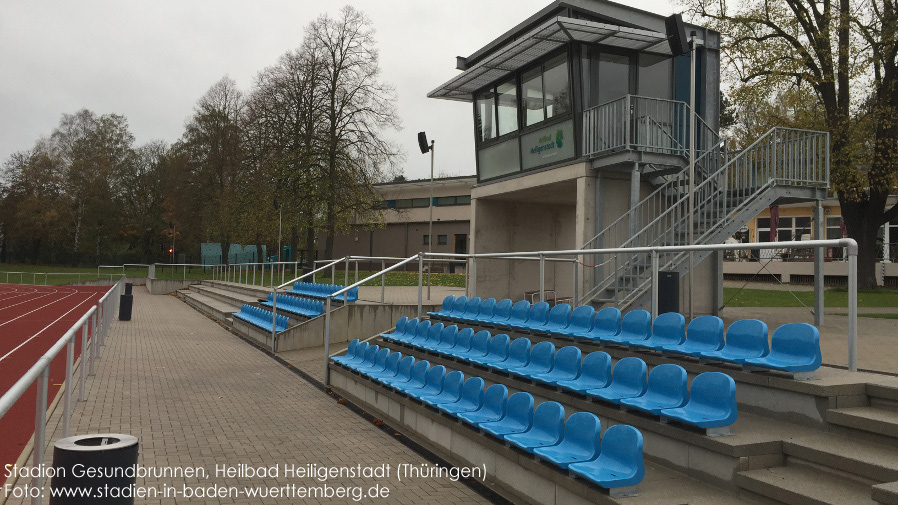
[{"x": 426, "y": 182}]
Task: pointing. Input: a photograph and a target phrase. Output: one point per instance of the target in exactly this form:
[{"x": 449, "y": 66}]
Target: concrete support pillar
[
  {"x": 717, "y": 258},
  {"x": 586, "y": 215},
  {"x": 818, "y": 264}
]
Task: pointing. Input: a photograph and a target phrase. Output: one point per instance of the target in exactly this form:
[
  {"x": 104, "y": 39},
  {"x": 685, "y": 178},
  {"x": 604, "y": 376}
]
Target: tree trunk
[
  {"x": 311, "y": 249},
  {"x": 862, "y": 224},
  {"x": 293, "y": 240}
]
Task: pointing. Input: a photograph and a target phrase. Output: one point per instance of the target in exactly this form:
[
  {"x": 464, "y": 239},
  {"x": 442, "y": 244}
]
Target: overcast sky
[{"x": 151, "y": 61}]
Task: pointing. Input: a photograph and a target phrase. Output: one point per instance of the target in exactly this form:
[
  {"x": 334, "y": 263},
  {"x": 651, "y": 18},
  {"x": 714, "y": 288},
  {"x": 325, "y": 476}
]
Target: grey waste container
[
  {"x": 668, "y": 292},
  {"x": 111, "y": 459}
]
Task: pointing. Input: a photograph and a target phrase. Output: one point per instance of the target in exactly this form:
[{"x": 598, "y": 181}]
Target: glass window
[
  {"x": 420, "y": 202},
  {"x": 403, "y": 204},
  {"x": 833, "y": 228},
  {"x": 486, "y": 109},
  {"x": 426, "y": 239},
  {"x": 613, "y": 77},
  {"x": 655, "y": 76},
  {"x": 442, "y": 240},
  {"x": 507, "y": 101},
  {"x": 556, "y": 81},
  {"x": 444, "y": 200},
  {"x": 764, "y": 222},
  {"x": 532, "y": 91},
  {"x": 466, "y": 200}
]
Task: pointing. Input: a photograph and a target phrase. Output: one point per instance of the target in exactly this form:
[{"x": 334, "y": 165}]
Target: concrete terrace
[{"x": 196, "y": 395}]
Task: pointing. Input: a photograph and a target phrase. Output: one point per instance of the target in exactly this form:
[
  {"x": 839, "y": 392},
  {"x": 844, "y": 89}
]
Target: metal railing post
[
  {"x": 542, "y": 277},
  {"x": 420, "y": 283},
  {"x": 40, "y": 430},
  {"x": 383, "y": 280},
  {"x": 84, "y": 358},
  {"x": 345, "y": 272},
  {"x": 575, "y": 297},
  {"x": 93, "y": 342},
  {"x": 327, "y": 340},
  {"x": 67, "y": 398},
  {"x": 654, "y": 285},
  {"x": 474, "y": 276},
  {"x": 274, "y": 318},
  {"x": 852, "y": 308}
]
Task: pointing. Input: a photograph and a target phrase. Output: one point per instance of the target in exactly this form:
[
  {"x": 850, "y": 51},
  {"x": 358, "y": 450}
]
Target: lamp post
[
  {"x": 171, "y": 225},
  {"x": 694, "y": 42},
  {"x": 422, "y": 144}
]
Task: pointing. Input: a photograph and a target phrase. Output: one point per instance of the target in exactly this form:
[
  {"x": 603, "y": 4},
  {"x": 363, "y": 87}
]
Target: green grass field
[{"x": 833, "y": 297}]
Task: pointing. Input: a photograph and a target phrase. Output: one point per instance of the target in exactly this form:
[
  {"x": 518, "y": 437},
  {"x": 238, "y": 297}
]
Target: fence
[{"x": 95, "y": 324}]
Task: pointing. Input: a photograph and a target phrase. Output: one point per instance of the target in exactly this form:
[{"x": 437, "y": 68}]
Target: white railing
[{"x": 94, "y": 327}]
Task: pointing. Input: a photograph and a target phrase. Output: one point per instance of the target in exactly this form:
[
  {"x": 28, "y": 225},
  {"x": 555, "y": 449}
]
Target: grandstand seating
[
  {"x": 794, "y": 347},
  {"x": 746, "y": 339},
  {"x": 316, "y": 290},
  {"x": 704, "y": 334},
  {"x": 513, "y": 419},
  {"x": 712, "y": 404},
  {"x": 261, "y": 318},
  {"x": 606, "y": 324},
  {"x": 296, "y": 305},
  {"x": 667, "y": 329}
]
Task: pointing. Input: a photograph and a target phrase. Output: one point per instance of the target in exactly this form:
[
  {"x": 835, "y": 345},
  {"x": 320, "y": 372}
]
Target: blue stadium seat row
[
  {"x": 296, "y": 305},
  {"x": 261, "y": 318},
  {"x": 710, "y": 406},
  {"x": 794, "y": 347},
  {"x": 613, "y": 460},
  {"x": 316, "y": 290}
]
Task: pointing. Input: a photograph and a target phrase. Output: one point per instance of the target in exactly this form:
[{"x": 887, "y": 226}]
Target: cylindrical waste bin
[
  {"x": 668, "y": 292},
  {"x": 128, "y": 287},
  {"x": 99, "y": 469},
  {"x": 126, "y": 303}
]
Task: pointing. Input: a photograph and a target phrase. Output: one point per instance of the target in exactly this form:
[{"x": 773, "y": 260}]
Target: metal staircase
[{"x": 782, "y": 165}]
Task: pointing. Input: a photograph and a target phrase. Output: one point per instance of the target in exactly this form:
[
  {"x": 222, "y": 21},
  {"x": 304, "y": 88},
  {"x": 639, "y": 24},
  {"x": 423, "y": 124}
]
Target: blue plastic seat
[
  {"x": 606, "y": 324},
  {"x": 497, "y": 353},
  {"x": 480, "y": 346},
  {"x": 486, "y": 311},
  {"x": 794, "y": 347},
  {"x": 432, "y": 339},
  {"x": 712, "y": 403},
  {"x": 359, "y": 355},
  {"x": 350, "y": 352},
  {"x": 704, "y": 334},
  {"x": 666, "y": 390},
  {"x": 472, "y": 307},
  {"x": 447, "y": 339},
  {"x": 450, "y": 390},
  {"x": 433, "y": 383},
  {"x": 620, "y": 462},
  {"x": 559, "y": 319},
  {"x": 746, "y": 339},
  {"x": 667, "y": 329},
  {"x": 636, "y": 325},
  {"x": 367, "y": 358},
  {"x": 565, "y": 367},
  {"x": 471, "y": 398},
  {"x": 580, "y": 442},
  {"x": 391, "y": 366},
  {"x": 517, "y": 316},
  {"x": 536, "y": 318},
  {"x": 581, "y": 322},
  {"x": 462, "y": 343},
  {"x": 420, "y": 334},
  {"x": 517, "y": 419},
  {"x": 595, "y": 373},
  {"x": 379, "y": 364},
  {"x": 444, "y": 309},
  {"x": 417, "y": 376},
  {"x": 542, "y": 356},
  {"x": 518, "y": 355},
  {"x": 627, "y": 381},
  {"x": 403, "y": 326},
  {"x": 492, "y": 408},
  {"x": 403, "y": 369},
  {"x": 417, "y": 368},
  {"x": 501, "y": 312},
  {"x": 546, "y": 430}
]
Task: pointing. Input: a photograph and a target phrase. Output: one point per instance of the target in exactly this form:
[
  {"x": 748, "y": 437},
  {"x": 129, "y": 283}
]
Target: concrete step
[
  {"x": 213, "y": 308},
  {"x": 869, "y": 419},
  {"x": 803, "y": 485},
  {"x": 887, "y": 494},
  {"x": 224, "y": 295},
  {"x": 866, "y": 460},
  {"x": 883, "y": 396}
]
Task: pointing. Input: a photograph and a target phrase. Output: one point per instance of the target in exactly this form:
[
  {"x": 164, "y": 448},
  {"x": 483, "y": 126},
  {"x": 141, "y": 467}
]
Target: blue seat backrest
[
  {"x": 435, "y": 376},
  {"x": 637, "y": 322},
  {"x": 495, "y": 398},
  {"x": 670, "y": 326},
  {"x": 596, "y": 364},
  {"x": 447, "y": 303},
  {"x": 669, "y": 381},
  {"x": 749, "y": 334},
  {"x": 472, "y": 390},
  {"x": 487, "y": 308},
  {"x": 419, "y": 371},
  {"x": 400, "y": 325},
  {"x": 519, "y": 350},
  {"x": 608, "y": 320},
  {"x": 453, "y": 381},
  {"x": 539, "y": 314},
  {"x": 706, "y": 330},
  {"x": 548, "y": 418},
  {"x": 352, "y": 345},
  {"x": 582, "y": 429},
  {"x": 472, "y": 307},
  {"x": 499, "y": 346},
  {"x": 801, "y": 340},
  {"x": 714, "y": 391},
  {"x": 520, "y": 311},
  {"x": 622, "y": 443},
  {"x": 393, "y": 361},
  {"x": 434, "y": 332},
  {"x": 463, "y": 340},
  {"x": 582, "y": 318},
  {"x": 447, "y": 336},
  {"x": 630, "y": 372},
  {"x": 560, "y": 314},
  {"x": 502, "y": 309},
  {"x": 543, "y": 354},
  {"x": 520, "y": 406},
  {"x": 458, "y": 308},
  {"x": 371, "y": 353},
  {"x": 422, "y": 329},
  {"x": 480, "y": 344},
  {"x": 567, "y": 359},
  {"x": 410, "y": 327},
  {"x": 405, "y": 366}
]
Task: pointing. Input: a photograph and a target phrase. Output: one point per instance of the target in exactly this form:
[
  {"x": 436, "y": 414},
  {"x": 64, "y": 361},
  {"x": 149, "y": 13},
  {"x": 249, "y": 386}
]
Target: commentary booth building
[{"x": 582, "y": 124}]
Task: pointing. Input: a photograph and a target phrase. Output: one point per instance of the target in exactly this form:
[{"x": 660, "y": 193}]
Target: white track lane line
[
  {"x": 35, "y": 310},
  {"x": 45, "y": 327},
  {"x": 15, "y": 293}
]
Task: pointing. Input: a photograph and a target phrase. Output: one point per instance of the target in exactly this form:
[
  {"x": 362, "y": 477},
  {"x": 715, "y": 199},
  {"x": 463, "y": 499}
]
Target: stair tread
[
  {"x": 229, "y": 294},
  {"x": 876, "y": 420},
  {"x": 804, "y": 485},
  {"x": 885, "y": 391},
  {"x": 861, "y": 457},
  {"x": 211, "y": 302}
]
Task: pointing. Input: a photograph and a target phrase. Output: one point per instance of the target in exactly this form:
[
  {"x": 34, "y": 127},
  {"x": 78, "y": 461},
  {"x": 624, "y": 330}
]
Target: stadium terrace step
[
  {"x": 869, "y": 419},
  {"x": 223, "y": 295},
  {"x": 803, "y": 485},
  {"x": 861, "y": 458},
  {"x": 218, "y": 310},
  {"x": 883, "y": 395},
  {"x": 886, "y": 494}
]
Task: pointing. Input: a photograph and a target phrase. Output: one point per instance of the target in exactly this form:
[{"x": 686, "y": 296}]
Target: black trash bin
[
  {"x": 125, "y": 304},
  {"x": 103, "y": 465},
  {"x": 668, "y": 292},
  {"x": 128, "y": 287}
]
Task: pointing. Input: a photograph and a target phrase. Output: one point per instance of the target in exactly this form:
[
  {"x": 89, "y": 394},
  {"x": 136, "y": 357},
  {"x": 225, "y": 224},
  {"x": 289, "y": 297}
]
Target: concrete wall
[
  {"x": 399, "y": 239},
  {"x": 165, "y": 286}
]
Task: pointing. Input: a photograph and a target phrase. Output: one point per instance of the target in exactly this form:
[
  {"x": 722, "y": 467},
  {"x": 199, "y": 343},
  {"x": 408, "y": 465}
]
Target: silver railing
[
  {"x": 654, "y": 268},
  {"x": 779, "y": 157},
  {"x": 94, "y": 327}
]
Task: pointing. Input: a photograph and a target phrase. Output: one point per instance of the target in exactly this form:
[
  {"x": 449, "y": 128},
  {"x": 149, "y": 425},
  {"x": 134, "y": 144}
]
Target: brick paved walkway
[{"x": 196, "y": 395}]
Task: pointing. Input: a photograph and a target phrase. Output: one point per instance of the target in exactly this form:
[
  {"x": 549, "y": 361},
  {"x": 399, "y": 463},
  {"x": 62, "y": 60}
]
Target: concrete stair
[
  {"x": 216, "y": 309},
  {"x": 223, "y": 295},
  {"x": 797, "y": 484},
  {"x": 863, "y": 460},
  {"x": 875, "y": 420}
]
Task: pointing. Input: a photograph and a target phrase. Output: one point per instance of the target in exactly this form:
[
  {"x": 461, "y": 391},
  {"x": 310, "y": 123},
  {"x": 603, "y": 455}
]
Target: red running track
[{"x": 32, "y": 319}]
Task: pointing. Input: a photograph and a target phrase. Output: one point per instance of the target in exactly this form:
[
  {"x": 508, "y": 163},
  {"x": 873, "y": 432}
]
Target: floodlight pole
[
  {"x": 694, "y": 41},
  {"x": 430, "y": 230}
]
